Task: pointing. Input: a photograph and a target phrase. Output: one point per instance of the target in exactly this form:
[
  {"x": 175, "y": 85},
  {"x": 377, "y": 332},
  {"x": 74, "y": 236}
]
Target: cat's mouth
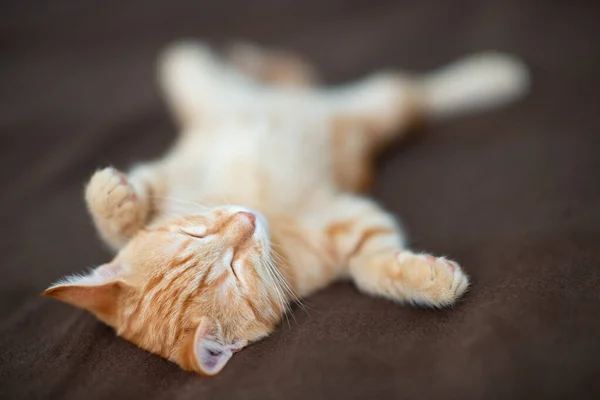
[{"x": 232, "y": 269}]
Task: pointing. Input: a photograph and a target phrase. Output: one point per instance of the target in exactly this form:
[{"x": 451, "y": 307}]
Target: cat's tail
[{"x": 473, "y": 84}]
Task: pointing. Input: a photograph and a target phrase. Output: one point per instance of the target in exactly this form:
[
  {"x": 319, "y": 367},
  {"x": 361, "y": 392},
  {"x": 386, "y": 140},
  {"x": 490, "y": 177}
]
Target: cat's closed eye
[{"x": 198, "y": 232}]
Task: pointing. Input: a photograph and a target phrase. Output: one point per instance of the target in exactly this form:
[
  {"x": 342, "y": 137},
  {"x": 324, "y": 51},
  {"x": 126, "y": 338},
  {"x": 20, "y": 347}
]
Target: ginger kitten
[{"x": 196, "y": 278}]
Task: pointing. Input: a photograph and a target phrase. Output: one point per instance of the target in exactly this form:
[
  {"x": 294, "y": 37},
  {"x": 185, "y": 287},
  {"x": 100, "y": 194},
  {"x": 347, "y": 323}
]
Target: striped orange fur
[{"x": 194, "y": 280}]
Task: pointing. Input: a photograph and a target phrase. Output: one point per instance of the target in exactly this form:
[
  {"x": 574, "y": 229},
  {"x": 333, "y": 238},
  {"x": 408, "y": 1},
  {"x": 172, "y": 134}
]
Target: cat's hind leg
[
  {"x": 121, "y": 204},
  {"x": 272, "y": 66},
  {"x": 370, "y": 243},
  {"x": 193, "y": 80},
  {"x": 385, "y": 104}
]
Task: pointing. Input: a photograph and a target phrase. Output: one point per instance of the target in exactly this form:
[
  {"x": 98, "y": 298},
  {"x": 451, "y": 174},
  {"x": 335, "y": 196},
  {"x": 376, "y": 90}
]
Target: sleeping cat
[{"x": 258, "y": 204}]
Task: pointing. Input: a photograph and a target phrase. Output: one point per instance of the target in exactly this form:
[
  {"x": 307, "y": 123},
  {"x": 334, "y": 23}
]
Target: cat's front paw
[
  {"x": 112, "y": 201},
  {"x": 430, "y": 280}
]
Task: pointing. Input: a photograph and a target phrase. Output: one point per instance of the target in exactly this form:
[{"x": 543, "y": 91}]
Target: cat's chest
[{"x": 256, "y": 159}]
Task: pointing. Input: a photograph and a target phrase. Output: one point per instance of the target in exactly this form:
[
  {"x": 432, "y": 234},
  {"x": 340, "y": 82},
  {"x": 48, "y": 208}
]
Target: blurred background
[{"x": 520, "y": 209}]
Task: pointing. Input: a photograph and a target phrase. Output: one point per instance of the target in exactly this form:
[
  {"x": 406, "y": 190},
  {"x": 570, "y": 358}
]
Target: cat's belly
[{"x": 262, "y": 163}]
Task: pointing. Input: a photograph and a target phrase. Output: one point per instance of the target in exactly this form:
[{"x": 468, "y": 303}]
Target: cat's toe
[
  {"x": 109, "y": 193},
  {"x": 434, "y": 281},
  {"x": 450, "y": 282}
]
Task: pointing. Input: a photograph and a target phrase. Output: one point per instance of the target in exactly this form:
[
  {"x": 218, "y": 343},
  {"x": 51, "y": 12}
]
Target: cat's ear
[
  {"x": 211, "y": 349},
  {"x": 97, "y": 292}
]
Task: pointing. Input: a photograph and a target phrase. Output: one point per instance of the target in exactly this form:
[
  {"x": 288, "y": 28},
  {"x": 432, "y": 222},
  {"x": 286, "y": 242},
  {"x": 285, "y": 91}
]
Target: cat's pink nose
[{"x": 251, "y": 218}]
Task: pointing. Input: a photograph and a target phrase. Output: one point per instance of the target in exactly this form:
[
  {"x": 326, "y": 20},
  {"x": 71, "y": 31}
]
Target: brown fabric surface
[{"x": 514, "y": 195}]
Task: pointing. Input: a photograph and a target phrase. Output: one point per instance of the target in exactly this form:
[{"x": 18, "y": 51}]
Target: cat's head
[{"x": 193, "y": 289}]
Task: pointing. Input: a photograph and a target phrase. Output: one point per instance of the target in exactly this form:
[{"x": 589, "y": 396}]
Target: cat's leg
[
  {"x": 376, "y": 109},
  {"x": 362, "y": 118},
  {"x": 371, "y": 245},
  {"x": 195, "y": 81},
  {"x": 121, "y": 204},
  {"x": 271, "y": 66},
  {"x": 386, "y": 104}
]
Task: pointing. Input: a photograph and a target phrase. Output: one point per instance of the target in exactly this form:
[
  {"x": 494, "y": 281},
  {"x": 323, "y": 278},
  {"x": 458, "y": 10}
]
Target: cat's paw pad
[
  {"x": 431, "y": 280},
  {"x": 110, "y": 195}
]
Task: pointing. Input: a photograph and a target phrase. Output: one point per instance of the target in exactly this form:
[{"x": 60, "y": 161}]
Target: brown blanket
[{"x": 514, "y": 195}]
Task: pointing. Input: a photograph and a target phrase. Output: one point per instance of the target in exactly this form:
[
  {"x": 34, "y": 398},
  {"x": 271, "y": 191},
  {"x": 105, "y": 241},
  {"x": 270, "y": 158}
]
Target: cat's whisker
[
  {"x": 280, "y": 297},
  {"x": 284, "y": 303},
  {"x": 290, "y": 295},
  {"x": 278, "y": 280},
  {"x": 282, "y": 282},
  {"x": 181, "y": 202},
  {"x": 284, "y": 263},
  {"x": 287, "y": 304}
]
